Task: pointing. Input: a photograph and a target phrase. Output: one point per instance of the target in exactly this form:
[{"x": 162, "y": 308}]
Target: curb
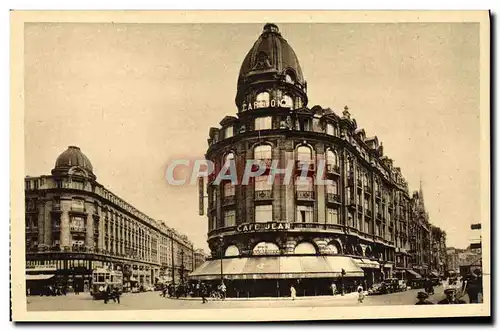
[{"x": 323, "y": 297}]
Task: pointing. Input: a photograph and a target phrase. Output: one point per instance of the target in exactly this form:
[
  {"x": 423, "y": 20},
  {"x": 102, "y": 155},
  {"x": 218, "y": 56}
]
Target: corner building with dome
[
  {"x": 265, "y": 237},
  {"x": 74, "y": 225}
]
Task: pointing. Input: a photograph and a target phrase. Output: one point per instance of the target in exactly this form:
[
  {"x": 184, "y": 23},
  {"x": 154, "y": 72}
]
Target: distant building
[
  {"x": 199, "y": 258},
  {"x": 438, "y": 253},
  {"x": 74, "y": 224}
]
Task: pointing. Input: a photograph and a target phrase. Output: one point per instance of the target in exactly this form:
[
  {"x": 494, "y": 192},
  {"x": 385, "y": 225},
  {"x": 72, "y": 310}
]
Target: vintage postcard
[{"x": 250, "y": 166}]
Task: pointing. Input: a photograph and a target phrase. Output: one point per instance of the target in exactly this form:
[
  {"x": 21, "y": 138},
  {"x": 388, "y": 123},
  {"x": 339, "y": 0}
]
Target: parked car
[
  {"x": 135, "y": 290},
  {"x": 380, "y": 288},
  {"x": 402, "y": 285},
  {"x": 392, "y": 285}
]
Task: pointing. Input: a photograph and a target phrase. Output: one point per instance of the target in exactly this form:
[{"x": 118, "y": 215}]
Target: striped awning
[
  {"x": 365, "y": 263},
  {"x": 413, "y": 273},
  {"x": 38, "y": 277},
  {"x": 278, "y": 267}
]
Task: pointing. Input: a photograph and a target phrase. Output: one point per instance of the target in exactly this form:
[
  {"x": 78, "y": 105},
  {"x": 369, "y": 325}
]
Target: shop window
[
  {"x": 232, "y": 250},
  {"x": 266, "y": 248},
  {"x": 305, "y": 248}
]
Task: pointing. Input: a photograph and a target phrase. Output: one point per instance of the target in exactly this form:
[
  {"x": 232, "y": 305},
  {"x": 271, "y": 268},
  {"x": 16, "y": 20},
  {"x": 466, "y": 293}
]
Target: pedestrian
[
  {"x": 203, "y": 292},
  {"x": 223, "y": 290},
  {"x": 164, "y": 291},
  {"x": 116, "y": 295},
  {"x": 361, "y": 294},
  {"x": 334, "y": 289},
  {"x": 422, "y": 299},
  {"x": 106, "y": 292},
  {"x": 450, "y": 298},
  {"x": 293, "y": 292},
  {"x": 473, "y": 286}
]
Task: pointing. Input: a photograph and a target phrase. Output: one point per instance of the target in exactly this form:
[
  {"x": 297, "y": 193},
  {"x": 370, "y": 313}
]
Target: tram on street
[{"x": 101, "y": 276}]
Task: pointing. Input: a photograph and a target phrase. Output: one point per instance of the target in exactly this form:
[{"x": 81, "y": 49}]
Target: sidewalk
[{"x": 349, "y": 296}]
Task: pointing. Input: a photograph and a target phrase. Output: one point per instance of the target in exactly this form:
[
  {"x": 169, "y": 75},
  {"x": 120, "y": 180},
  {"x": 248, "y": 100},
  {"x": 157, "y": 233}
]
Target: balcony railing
[
  {"x": 263, "y": 195},
  {"x": 305, "y": 195},
  {"x": 333, "y": 198},
  {"x": 263, "y": 163},
  {"x": 229, "y": 200},
  {"x": 333, "y": 169},
  {"x": 77, "y": 229}
]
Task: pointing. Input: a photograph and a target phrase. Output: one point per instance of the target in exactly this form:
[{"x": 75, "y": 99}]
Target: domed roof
[
  {"x": 271, "y": 52},
  {"x": 72, "y": 157}
]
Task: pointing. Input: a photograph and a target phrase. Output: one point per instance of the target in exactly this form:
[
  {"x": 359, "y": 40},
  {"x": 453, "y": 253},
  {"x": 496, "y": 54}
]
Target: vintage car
[
  {"x": 376, "y": 289},
  {"x": 392, "y": 285}
]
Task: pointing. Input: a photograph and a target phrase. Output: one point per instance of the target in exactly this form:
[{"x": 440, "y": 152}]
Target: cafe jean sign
[{"x": 270, "y": 226}]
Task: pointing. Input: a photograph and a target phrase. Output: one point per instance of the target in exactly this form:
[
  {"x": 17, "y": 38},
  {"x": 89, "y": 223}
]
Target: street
[{"x": 153, "y": 300}]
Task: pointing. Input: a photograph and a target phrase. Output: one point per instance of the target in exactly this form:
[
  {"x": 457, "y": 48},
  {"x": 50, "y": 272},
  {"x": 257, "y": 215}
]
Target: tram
[{"x": 101, "y": 276}]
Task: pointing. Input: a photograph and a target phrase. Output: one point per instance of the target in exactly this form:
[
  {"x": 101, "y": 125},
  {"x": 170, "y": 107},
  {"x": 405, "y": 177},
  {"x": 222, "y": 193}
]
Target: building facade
[
  {"x": 438, "y": 253},
  {"x": 74, "y": 224},
  {"x": 199, "y": 258},
  {"x": 281, "y": 232}
]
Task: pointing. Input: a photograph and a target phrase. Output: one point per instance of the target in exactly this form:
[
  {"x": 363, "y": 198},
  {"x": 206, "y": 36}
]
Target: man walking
[
  {"x": 203, "y": 292},
  {"x": 473, "y": 286},
  {"x": 334, "y": 289},
  {"x": 293, "y": 292},
  {"x": 106, "y": 292}
]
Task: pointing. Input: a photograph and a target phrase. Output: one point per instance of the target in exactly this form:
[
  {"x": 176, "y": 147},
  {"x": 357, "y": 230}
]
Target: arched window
[
  {"x": 262, "y": 152},
  {"x": 332, "y": 158},
  {"x": 304, "y": 153},
  {"x": 266, "y": 248},
  {"x": 289, "y": 78},
  {"x": 287, "y": 101},
  {"x": 305, "y": 248},
  {"x": 262, "y": 100},
  {"x": 332, "y": 248},
  {"x": 232, "y": 251}
]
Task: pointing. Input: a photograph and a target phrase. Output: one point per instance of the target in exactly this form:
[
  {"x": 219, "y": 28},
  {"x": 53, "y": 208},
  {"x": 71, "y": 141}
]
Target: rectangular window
[
  {"x": 262, "y": 184},
  {"x": 367, "y": 204},
  {"x": 330, "y": 129},
  {"x": 263, "y": 213},
  {"x": 304, "y": 184},
  {"x": 229, "y": 132},
  {"x": 228, "y": 189},
  {"x": 332, "y": 187},
  {"x": 263, "y": 123},
  {"x": 78, "y": 204},
  {"x": 367, "y": 227},
  {"x": 332, "y": 216},
  {"x": 305, "y": 214},
  {"x": 229, "y": 218}
]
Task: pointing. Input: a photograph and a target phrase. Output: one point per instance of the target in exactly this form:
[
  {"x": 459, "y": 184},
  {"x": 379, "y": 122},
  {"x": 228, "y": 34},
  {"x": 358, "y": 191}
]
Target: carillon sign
[
  {"x": 272, "y": 226},
  {"x": 274, "y": 103}
]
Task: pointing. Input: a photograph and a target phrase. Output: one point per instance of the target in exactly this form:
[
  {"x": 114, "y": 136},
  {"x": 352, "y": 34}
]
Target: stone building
[
  {"x": 279, "y": 232},
  {"x": 420, "y": 239},
  {"x": 75, "y": 224},
  {"x": 438, "y": 252}
]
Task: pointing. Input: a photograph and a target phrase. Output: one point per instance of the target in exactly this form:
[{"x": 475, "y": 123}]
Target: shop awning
[
  {"x": 278, "y": 267},
  {"x": 38, "y": 277},
  {"x": 365, "y": 263},
  {"x": 413, "y": 273}
]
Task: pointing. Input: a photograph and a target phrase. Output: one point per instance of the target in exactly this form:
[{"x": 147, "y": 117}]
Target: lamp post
[
  {"x": 182, "y": 267},
  {"x": 221, "y": 241}
]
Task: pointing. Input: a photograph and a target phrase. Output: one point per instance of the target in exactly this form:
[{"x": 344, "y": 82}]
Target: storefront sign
[{"x": 271, "y": 226}]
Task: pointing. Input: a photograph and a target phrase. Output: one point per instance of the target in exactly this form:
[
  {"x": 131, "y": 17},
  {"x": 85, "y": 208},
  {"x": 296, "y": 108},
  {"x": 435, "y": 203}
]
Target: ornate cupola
[
  {"x": 270, "y": 75},
  {"x": 73, "y": 163}
]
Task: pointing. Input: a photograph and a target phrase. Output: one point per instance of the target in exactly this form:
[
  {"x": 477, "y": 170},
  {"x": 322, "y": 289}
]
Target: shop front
[{"x": 274, "y": 275}]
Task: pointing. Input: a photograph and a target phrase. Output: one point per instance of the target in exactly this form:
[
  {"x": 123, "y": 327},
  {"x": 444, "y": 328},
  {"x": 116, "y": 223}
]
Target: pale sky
[{"x": 134, "y": 96}]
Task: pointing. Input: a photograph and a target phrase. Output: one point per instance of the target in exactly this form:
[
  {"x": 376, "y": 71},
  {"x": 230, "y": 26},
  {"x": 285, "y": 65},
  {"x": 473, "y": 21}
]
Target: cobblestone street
[{"x": 153, "y": 300}]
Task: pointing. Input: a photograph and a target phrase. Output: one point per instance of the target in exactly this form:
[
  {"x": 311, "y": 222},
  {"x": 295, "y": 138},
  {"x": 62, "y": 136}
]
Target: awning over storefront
[
  {"x": 413, "y": 273},
  {"x": 365, "y": 263},
  {"x": 38, "y": 277},
  {"x": 278, "y": 267}
]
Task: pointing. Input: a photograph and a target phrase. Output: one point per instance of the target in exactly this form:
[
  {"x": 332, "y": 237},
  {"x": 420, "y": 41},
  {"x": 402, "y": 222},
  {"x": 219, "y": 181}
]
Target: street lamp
[
  {"x": 182, "y": 266},
  {"x": 221, "y": 241}
]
